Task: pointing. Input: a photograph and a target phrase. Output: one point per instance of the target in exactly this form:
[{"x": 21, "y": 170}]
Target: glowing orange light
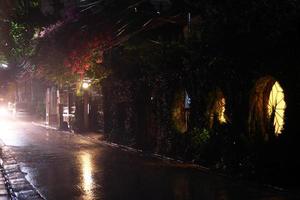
[{"x": 221, "y": 110}]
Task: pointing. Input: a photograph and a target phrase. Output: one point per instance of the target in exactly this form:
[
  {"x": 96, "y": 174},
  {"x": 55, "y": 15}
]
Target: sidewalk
[
  {"x": 3, "y": 187},
  {"x": 99, "y": 138},
  {"x": 5, "y": 193},
  {"x": 13, "y": 183},
  {"x": 91, "y": 135}
]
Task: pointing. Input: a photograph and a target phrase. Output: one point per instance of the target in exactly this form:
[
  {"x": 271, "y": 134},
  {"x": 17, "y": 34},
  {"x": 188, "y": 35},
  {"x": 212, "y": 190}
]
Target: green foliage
[
  {"x": 97, "y": 72},
  {"x": 200, "y": 137},
  {"x": 22, "y": 44},
  {"x": 16, "y": 31},
  {"x": 199, "y": 147},
  {"x": 19, "y": 21}
]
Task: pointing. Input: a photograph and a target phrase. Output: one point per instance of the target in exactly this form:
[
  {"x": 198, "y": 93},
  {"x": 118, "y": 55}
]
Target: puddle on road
[{"x": 87, "y": 183}]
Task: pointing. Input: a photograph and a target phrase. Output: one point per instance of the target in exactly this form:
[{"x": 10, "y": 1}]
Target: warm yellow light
[
  {"x": 277, "y": 106},
  {"x": 87, "y": 171},
  {"x": 85, "y": 85},
  {"x": 87, "y": 181},
  {"x": 221, "y": 110},
  {"x": 218, "y": 109}
]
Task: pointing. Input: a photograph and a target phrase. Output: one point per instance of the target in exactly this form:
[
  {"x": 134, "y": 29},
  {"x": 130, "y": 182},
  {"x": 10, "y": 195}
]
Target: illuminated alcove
[
  {"x": 180, "y": 110},
  {"x": 267, "y": 108},
  {"x": 216, "y": 107}
]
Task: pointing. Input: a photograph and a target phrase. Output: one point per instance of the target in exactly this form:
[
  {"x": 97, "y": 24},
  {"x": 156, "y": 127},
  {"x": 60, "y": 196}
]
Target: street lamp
[{"x": 86, "y": 83}]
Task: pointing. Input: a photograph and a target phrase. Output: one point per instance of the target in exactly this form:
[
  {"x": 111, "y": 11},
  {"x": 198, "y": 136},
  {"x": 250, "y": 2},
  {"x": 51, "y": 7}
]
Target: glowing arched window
[
  {"x": 276, "y": 107},
  {"x": 180, "y": 110},
  {"x": 216, "y": 107},
  {"x": 220, "y": 109}
]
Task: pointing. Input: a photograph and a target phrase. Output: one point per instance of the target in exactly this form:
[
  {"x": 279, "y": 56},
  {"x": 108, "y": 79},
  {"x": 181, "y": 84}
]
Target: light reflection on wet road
[{"x": 66, "y": 166}]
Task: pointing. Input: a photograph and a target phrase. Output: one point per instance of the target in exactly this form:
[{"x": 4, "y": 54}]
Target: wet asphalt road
[{"x": 64, "y": 166}]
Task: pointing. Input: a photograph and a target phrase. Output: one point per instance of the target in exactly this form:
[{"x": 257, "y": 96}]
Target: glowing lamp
[{"x": 85, "y": 85}]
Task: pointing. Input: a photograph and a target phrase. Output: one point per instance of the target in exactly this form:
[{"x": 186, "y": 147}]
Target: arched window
[
  {"x": 216, "y": 107},
  {"x": 220, "y": 109},
  {"x": 276, "y": 107},
  {"x": 181, "y": 110},
  {"x": 267, "y": 108}
]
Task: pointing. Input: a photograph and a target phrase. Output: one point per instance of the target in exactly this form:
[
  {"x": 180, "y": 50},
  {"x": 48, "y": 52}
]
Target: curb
[
  {"x": 7, "y": 184},
  {"x": 12, "y": 187}
]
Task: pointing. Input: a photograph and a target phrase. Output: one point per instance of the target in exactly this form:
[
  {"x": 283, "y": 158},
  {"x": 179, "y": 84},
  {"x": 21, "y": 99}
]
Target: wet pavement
[
  {"x": 3, "y": 191},
  {"x": 62, "y": 166}
]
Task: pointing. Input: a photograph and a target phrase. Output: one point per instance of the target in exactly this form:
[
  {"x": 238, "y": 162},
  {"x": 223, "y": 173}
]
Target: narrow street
[{"x": 68, "y": 166}]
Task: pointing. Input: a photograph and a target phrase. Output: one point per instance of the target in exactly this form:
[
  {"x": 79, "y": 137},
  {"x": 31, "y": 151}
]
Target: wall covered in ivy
[{"x": 146, "y": 92}]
